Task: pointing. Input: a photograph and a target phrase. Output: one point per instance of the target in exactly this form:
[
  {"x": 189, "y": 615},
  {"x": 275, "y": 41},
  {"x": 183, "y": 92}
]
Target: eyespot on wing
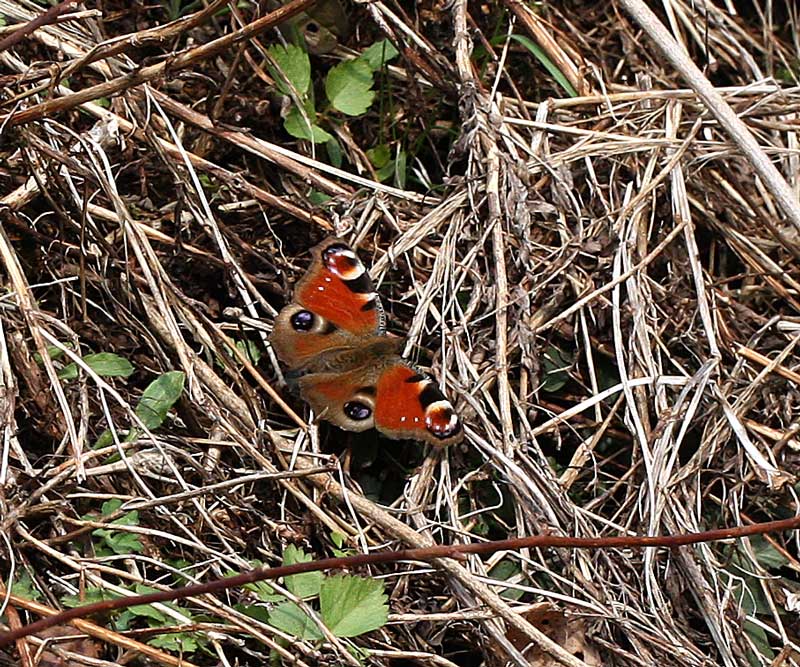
[{"x": 409, "y": 405}]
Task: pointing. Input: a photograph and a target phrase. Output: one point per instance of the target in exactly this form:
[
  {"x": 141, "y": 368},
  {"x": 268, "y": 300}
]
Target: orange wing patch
[
  {"x": 409, "y": 405},
  {"x": 339, "y": 289}
]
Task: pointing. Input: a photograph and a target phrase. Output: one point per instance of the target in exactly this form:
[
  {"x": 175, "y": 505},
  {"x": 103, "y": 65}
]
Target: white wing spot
[
  {"x": 327, "y": 279},
  {"x": 402, "y": 419},
  {"x": 321, "y": 288},
  {"x": 416, "y": 419}
]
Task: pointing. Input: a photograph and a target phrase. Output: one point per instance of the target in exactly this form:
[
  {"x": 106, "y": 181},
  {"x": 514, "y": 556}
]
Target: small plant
[
  {"x": 156, "y": 401},
  {"x": 347, "y": 605},
  {"x": 348, "y": 86},
  {"x": 115, "y": 541},
  {"x": 747, "y": 589},
  {"x": 183, "y": 643},
  {"x": 105, "y": 364}
]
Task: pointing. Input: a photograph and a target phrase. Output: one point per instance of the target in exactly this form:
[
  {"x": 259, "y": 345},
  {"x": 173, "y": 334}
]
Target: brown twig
[
  {"x": 422, "y": 554},
  {"x": 145, "y": 74},
  {"x": 43, "y": 19}
]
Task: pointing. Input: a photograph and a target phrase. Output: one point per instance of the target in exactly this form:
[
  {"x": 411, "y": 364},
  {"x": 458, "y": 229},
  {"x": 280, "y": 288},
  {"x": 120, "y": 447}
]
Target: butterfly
[{"x": 333, "y": 339}]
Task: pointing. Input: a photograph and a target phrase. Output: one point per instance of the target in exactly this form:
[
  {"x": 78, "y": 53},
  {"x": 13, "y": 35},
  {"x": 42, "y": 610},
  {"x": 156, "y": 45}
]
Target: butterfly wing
[
  {"x": 346, "y": 400},
  {"x": 334, "y": 306},
  {"x": 390, "y": 395},
  {"x": 409, "y": 405},
  {"x": 333, "y": 338}
]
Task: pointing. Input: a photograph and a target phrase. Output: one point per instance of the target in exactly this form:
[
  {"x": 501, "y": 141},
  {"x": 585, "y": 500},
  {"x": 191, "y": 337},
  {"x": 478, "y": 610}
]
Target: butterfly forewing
[{"x": 334, "y": 341}]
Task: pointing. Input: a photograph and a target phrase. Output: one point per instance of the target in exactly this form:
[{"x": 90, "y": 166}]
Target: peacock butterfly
[{"x": 333, "y": 339}]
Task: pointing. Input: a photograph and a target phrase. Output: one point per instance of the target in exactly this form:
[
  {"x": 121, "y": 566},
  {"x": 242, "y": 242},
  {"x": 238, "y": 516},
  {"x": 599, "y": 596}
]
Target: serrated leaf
[
  {"x": 292, "y": 65},
  {"x": 380, "y": 53},
  {"x": 160, "y": 395},
  {"x": 118, "y": 542},
  {"x": 177, "y": 642},
  {"x": 294, "y": 621},
  {"x": 23, "y": 587},
  {"x": 261, "y": 589},
  {"x": 150, "y": 612},
  {"x": 351, "y": 606},
  {"x": 129, "y": 519},
  {"x": 349, "y": 87},
  {"x": 110, "y": 506},
  {"x": 299, "y": 127},
  {"x": 105, "y": 364},
  {"x": 306, "y": 584}
]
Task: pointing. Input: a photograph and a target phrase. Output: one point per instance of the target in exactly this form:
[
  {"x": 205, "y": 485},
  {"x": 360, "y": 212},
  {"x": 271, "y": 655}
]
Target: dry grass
[{"x": 610, "y": 293}]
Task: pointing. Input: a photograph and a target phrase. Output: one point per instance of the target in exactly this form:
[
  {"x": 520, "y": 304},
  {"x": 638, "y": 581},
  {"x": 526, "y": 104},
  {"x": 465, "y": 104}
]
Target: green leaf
[
  {"x": 349, "y": 87},
  {"x": 106, "y": 438},
  {"x": 160, "y": 395},
  {"x": 110, "y": 506},
  {"x": 294, "y": 621},
  {"x": 379, "y": 156},
  {"x": 303, "y": 585},
  {"x": 400, "y": 170},
  {"x": 151, "y": 612},
  {"x": 262, "y": 590},
  {"x": 334, "y": 153},
  {"x": 118, "y": 542},
  {"x": 318, "y": 198},
  {"x": 247, "y": 348},
  {"x": 761, "y": 642},
  {"x": 23, "y": 587},
  {"x": 547, "y": 63},
  {"x": 554, "y": 367},
  {"x": 503, "y": 571},
  {"x": 53, "y": 351},
  {"x": 90, "y": 595},
  {"x": 292, "y": 65},
  {"x": 105, "y": 364},
  {"x": 114, "y": 541},
  {"x": 351, "y": 606},
  {"x": 299, "y": 128},
  {"x": 380, "y": 53},
  {"x": 340, "y": 541},
  {"x": 767, "y": 555},
  {"x": 177, "y": 642},
  {"x": 254, "y": 611}
]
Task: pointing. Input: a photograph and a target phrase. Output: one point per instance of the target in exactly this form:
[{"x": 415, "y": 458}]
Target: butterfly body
[{"x": 333, "y": 339}]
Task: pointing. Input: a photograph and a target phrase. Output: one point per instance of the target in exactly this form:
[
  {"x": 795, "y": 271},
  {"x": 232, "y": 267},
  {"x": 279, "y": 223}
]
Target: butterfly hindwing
[
  {"x": 409, "y": 405},
  {"x": 389, "y": 395},
  {"x": 333, "y": 339}
]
